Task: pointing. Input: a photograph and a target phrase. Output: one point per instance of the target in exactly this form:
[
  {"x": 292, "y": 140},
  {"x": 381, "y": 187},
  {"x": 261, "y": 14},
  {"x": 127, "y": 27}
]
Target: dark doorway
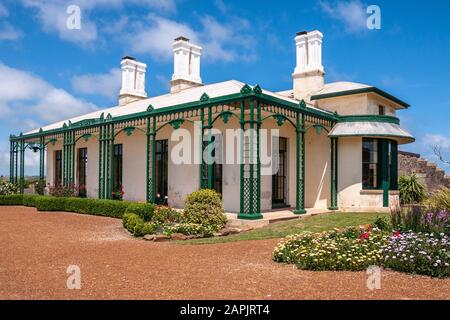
[
  {"x": 279, "y": 178},
  {"x": 161, "y": 170},
  {"x": 58, "y": 168},
  {"x": 117, "y": 175},
  {"x": 82, "y": 171}
]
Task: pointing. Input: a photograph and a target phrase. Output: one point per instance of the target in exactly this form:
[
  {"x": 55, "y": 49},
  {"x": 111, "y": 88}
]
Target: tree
[{"x": 438, "y": 152}]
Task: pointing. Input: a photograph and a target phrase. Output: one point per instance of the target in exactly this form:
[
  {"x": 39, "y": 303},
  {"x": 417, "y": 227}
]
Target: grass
[{"x": 317, "y": 223}]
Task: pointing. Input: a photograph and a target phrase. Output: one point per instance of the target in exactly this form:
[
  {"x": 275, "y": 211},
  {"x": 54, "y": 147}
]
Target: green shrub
[
  {"x": 48, "y": 203},
  {"x": 440, "y": 200},
  {"x": 29, "y": 200},
  {"x": 163, "y": 215},
  {"x": 149, "y": 228},
  {"x": 382, "y": 223},
  {"x": 411, "y": 190},
  {"x": 8, "y": 188},
  {"x": 205, "y": 207},
  {"x": 144, "y": 210},
  {"x": 11, "y": 200},
  {"x": 133, "y": 223}
]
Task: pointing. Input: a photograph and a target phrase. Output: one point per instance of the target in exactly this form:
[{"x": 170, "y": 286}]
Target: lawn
[{"x": 317, "y": 223}]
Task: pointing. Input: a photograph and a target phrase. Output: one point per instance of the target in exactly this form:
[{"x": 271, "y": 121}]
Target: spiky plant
[{"x": 412, "y": 191}]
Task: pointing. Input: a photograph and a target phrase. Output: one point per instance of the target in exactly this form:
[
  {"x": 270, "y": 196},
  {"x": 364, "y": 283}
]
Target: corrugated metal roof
[
  {"x": 171, "y": 99},
  {"x": 371, "y": 129}
]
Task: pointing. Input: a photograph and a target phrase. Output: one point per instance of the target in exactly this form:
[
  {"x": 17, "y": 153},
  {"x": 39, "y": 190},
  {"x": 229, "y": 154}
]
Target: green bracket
[
  {"x": 176, "y": 124},
  {"x": 129, "y": 130},
  {"x": 280, "y": 119},
  {"x": 150, "y": 108},
  {"x": 225, "y": 116}
]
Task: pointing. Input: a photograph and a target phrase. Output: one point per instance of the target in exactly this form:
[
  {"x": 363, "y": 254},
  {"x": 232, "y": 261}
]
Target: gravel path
[{"x": 36, "y": 249}]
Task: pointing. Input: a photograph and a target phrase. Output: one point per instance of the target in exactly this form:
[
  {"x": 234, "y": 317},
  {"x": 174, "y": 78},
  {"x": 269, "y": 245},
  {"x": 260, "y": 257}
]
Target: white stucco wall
[
  {"x": 317, "y": 169},
  {"x": 358, "y": 104},
  {"x": 133, "y": 169},
  {"x": 49, "y": 170}
]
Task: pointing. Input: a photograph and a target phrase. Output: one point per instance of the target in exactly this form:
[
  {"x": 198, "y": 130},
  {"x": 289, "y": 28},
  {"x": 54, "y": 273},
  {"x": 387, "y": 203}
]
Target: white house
[{"x": 337, "y": 145}]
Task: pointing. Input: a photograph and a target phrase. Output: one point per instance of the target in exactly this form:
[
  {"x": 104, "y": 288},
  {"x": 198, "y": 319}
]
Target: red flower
[
  {"x": 364, "y": 235},
  {"x": 396, "y": 234}
]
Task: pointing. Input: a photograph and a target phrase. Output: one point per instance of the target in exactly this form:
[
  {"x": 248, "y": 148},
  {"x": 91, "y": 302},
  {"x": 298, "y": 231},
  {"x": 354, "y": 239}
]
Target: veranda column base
[
  {"x": 299, "y": 211},
  {"x": 247, "y": 216}
]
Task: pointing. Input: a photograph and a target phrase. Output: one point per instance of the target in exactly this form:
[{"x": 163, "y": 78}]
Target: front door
[
  {"x": 279, "y": 180},
  {"x": 82, "y": 171},
  {"x": 161, "y": 168}
]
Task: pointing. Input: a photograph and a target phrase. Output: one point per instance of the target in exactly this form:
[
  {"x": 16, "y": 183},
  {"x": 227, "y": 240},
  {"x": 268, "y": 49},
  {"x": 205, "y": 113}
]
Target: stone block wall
[{"x": 428, "y": 172}]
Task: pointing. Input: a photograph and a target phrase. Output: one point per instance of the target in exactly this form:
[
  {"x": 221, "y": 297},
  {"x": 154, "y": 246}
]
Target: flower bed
[
  {"x": 419, "y": 253},
  {"x": 353, "y": 249},
  {"x": 356, "y": 249}
]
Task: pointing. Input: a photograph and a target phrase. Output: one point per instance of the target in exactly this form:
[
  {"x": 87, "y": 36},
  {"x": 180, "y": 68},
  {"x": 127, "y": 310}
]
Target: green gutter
[{"x": 359, "y": 91}]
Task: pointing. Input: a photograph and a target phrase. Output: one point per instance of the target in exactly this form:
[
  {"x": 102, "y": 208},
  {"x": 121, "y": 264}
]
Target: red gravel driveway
[{"x": 36, "y": 249}]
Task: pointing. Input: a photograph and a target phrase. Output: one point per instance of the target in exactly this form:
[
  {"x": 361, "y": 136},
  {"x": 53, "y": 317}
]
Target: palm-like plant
[{"x": 412, "y": 191}]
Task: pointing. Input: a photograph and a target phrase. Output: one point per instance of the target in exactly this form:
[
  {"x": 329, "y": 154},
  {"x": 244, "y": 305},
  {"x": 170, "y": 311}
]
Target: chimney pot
[{"x": 181, "y": 38}]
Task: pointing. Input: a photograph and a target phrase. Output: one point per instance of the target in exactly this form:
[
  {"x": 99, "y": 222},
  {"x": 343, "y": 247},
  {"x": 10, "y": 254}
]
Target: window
[
  {"x": 381, "y": 110},
  {"x": 82, "y": 171},
  {"x": 58, "y": 168},
  {"x": 393, "y": 165},
  {"x": 161, "y": 168},
  {"x": 379, "y": 164},
  {"x": 370, "y": 164},
  {"x": 118, "y": 162},
  {"x": 279, "y": 178},
  {"x": 217, "y": 165}
]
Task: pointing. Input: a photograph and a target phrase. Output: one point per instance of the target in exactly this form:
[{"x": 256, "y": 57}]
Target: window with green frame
[{"x": 379, "y": 163}]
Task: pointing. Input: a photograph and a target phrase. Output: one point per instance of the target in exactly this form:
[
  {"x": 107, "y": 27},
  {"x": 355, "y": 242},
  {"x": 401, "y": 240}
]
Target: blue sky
[{"x": 48, "y": 72}]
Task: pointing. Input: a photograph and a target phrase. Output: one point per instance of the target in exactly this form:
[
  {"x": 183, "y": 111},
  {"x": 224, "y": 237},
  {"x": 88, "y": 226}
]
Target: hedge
[
  {"x": 11, "y": 200},
  {"x": 98, "y": 207}
]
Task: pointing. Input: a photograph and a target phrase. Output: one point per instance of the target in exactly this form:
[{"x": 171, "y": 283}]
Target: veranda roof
[
  {"x": 171, "y": 99},
  {"x": 372, "y": 129}
]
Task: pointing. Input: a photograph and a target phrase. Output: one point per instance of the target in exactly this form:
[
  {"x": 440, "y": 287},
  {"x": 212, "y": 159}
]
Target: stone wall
[{"x": 428, "y": 172}]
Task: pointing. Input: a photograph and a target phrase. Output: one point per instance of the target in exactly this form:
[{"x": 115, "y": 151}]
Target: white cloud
[
  {"x": 351, "y": 13},
  {"x": 156, "y": 38},
  {"x": 9, "y": 32},
  {"x": 53, "y": 16},
  {"x": 27, "y": 101},
  {"x": 221, "y": 41},
  {"x": 4, "y": 12},
  {"x": 107, "y": 84}
]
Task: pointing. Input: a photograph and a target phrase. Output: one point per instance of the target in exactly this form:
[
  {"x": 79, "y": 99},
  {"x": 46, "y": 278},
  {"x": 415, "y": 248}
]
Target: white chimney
[
  {"x": 186, "y": 65},
  {"x": 133, "y": 80},
  {"x": 309, "y": 73}
]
